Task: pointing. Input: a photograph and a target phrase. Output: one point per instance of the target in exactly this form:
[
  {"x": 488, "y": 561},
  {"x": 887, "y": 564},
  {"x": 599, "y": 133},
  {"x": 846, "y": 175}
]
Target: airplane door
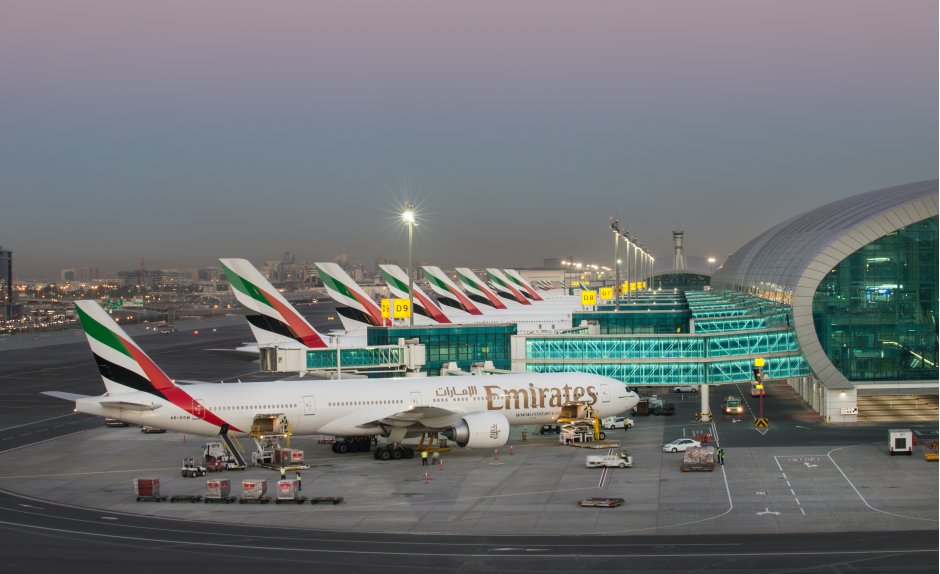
[
  {"x": 199, "y": 411},
  {"x": 605, "y": 394},
  {"x": 415, "y": 399},
  {"x": 310, "y": 406}
]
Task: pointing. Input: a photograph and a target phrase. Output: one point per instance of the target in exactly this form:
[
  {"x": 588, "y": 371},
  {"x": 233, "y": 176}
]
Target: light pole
[
  {"x": 408, "y": 216},
  {"x": 615, "y": 227}
]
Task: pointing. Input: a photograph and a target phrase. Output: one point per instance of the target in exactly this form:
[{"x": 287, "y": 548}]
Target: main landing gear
[
  {"x": 393, "y": 452},
  {"x": 353, "y": 444}
]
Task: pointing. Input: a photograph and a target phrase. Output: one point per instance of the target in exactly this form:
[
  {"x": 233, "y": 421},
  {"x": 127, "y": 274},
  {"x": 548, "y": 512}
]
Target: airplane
[
  {"x": 356, "y": 309},
  {"x": 447, "y": 292},
  {"x": 474, "y": 412},
  {"x": 517, "y": 278},
  {"x": 504, "y": 288},
  {"x": 397, "y": 282},
  {"x": 274, "y": 321},
  {"x": 477, "y": 290}
]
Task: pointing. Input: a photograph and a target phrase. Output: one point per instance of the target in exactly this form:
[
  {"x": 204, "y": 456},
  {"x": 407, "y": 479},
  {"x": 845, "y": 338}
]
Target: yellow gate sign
[
  {"x": 607, "y": 293},
  {"x": 588, "y": 298},
  {"x": 761, "y": 423},
  {"x": 386, "y": 308},
  {"x": 402, "y": 309}
]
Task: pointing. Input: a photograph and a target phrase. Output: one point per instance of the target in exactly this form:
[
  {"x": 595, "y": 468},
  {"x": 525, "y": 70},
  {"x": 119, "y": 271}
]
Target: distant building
[
  {"x": 67, "y": 275},
  {"x": 153, "y": 278},
  {"x": 210, "y": 274},
  {"x": 553, "y": 263},
  {"x": 80, "y": 274},
  {"x": 6, "y": 284}
]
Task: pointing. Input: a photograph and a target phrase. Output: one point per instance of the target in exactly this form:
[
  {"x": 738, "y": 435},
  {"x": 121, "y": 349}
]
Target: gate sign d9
[
  {"x": 402, "y": 309},
  {"x": 386, "y": 308},
  {"x": 607, "y": 293},
  {"x": 588, "y": 298}
]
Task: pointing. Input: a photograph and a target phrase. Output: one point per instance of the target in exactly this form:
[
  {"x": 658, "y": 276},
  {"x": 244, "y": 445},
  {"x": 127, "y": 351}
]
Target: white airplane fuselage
[{"x": 358, "y": 407}]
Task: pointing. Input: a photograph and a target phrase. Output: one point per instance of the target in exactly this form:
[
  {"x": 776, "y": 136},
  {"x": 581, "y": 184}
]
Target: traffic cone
[
  {"x": 427, "y": 477},
  {"x": 495, "y": 454},
  {"x": 442, "y": 463},
  {"x": 510, "y": 450}
]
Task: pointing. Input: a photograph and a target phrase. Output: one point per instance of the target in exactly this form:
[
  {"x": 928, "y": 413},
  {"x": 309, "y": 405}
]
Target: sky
[{"x": 177, "y": 132}]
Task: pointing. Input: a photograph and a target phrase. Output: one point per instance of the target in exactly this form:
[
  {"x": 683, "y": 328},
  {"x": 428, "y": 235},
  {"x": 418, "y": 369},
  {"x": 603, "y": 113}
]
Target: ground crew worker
[
  {"x": 721, "y": 456},
  {"x": 283, "y": 473},
  {"x": 424, "y": 458},
  {"x": 297, "y": 477}
]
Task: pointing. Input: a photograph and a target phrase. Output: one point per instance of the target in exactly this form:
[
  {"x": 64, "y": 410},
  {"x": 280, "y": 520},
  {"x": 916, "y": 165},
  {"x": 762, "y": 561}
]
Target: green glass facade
[
  {"x": 355, "y": 358},
  {"x": 636, "y": 322},
  {"x": 876, "y": 312},
  {"x": 462, "y": 344}
]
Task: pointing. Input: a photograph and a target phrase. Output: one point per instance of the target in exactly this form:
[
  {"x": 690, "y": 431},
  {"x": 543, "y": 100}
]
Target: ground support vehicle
[
  {"x": 642, "y": 408},
  {"x": 148, "y": 490},
  {"x": 191, "y": 470},
  {"x": 612, "y": 423},
  {"x": 900, "y": 441},
  {"x": 254, "y": 491},
  {"x": 732, "y": 405},
  {"x": 620, "y": 460},
  {"x": 287, "y": 492},
  {"x": 326, "y": 499},
  {"x": 600, "y": 502},
  {"x": 151, "y": 430},
  {"x": 550, "y": 429},
  {"x": 217, "y": 490},
  {"x": 186, "y": 498},
  {"x": 698, "y": 458},
  {"x": 666, "y": 410}
]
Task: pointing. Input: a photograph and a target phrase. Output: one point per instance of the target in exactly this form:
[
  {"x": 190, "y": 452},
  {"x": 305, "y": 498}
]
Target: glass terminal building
[{"x": 860, "y": 279}]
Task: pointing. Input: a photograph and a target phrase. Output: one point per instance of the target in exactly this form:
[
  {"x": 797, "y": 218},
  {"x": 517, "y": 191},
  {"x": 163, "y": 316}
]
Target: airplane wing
[{"x": 371, "y": 420}]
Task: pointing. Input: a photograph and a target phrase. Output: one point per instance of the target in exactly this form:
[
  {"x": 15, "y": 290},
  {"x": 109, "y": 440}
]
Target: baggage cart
[
  {"x": 326, "y": 499},
  {"x": 600, "y": 502},
  {"x": 254, "y": 491},
  {"x": 287, "y": 492}
]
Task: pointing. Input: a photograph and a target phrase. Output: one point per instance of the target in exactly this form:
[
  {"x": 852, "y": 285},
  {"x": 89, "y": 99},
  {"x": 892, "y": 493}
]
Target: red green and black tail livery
[
  {"x": 447, "y": 292},
  {"x": 524, "y": 286},
  {"x": 357, "y": 309},
  {"x": 504, "y": 288},
  {"x": 397, "y": 282},
  {"x": 274, "y": 320},
  {"x": 126, "y": 368},
  {"x": 477, "y": 289}
]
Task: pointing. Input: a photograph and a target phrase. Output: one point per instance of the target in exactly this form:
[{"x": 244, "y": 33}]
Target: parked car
[
  {"x": 611, "y": 423},
  {"x": 685, "y": 389},
  {"x": 114, "y": 422},
  {"x": 680, "y": 444},
  {"x": 151, "y": 430}
]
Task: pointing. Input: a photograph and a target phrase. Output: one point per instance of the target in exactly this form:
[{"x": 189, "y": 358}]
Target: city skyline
[{"x": 183, "y": 133}]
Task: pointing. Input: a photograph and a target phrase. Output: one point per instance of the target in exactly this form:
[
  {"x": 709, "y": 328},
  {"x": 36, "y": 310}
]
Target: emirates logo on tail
[{"x": 494, "y": 431}]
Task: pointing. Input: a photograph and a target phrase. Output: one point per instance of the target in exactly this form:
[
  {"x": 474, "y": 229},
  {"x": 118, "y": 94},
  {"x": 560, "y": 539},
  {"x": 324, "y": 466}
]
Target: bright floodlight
[{"x": 408, "y": 216}]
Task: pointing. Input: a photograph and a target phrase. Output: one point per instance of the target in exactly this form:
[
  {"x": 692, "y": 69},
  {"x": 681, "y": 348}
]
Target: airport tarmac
[{"x": 532, "y": 488}]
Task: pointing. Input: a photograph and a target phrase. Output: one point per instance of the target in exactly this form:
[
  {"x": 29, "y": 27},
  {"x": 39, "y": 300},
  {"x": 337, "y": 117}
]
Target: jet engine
[{"x": 480, "y": 430}]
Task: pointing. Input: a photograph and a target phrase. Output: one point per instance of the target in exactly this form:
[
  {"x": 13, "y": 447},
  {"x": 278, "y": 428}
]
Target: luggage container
[
  {"x": 218, "y": 489},
  {"x": 288, "y": 456},
  {"x": 254, "y": 491},
  {"x": 148, "y": 490},
  {"x": 900, "y": 441},
  {"x": 287, "y": 492}
]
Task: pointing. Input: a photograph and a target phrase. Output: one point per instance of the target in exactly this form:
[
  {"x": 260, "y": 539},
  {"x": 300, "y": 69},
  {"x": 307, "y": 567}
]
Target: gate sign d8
[
  {"x": 607, "y": 293},
  {"x": 402, "y": 309},
  {"x": 386, "y": 308},
  {"x": 588, "y": 298}
]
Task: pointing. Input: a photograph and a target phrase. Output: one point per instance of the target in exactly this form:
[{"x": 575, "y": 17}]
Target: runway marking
[
  {"x": 88, "y": 473},
  {"x": 360, "y": 551},
  {"x": 832, "y": 460},
  {"x": 35, "y": 422}
]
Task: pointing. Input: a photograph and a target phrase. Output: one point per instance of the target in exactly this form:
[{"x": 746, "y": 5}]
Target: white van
[
  {"x": 900, "y": 441},
  {"x": 612, "y": 423}
]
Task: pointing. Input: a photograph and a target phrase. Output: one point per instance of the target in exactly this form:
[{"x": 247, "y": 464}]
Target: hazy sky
[{"x": 181, "y": 131}]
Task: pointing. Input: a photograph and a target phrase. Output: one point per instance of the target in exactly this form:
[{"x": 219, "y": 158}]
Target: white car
[
  {"x": 680, "y": 444},
  {"x": 611, "y": 423},
  {"x": 684, "y": 389}
]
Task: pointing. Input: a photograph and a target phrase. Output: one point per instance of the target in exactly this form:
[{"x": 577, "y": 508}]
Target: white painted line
[
  {"x": 36, "y": 422},
  {"x": 829, "y": 454},
  {"x": 803, "y": 511}
]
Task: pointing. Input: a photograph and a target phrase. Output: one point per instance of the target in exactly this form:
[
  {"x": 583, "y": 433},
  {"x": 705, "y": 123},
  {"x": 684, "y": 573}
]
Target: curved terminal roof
[{"x": 788, "y": 262}]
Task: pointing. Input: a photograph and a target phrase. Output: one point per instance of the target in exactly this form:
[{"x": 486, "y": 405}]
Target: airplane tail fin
[
  {"x": 523, "y": 285},
  {"x": 504, "y": 287},
  {"x": 357, "y": 308},
  {"x": 477, "y": 289},
  {"x": 275, "y": 319},
  {"x": 124, "y": 366},
  {"x": 397, "y": 282},
  {"x": 447, "y": 292}
]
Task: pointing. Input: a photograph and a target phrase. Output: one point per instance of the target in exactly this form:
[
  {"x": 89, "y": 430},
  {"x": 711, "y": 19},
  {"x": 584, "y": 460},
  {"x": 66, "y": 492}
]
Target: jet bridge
[{"x": 408, "y": 356}]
